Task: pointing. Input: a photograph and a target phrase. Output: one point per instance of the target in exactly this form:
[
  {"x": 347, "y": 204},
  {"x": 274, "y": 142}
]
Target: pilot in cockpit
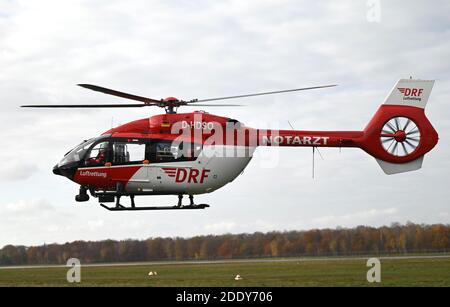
[{"x": 101, "y": 157}]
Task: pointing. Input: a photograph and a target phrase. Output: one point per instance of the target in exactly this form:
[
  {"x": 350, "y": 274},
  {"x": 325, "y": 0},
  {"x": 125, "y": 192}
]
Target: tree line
[{"x": 317, "y": 242}]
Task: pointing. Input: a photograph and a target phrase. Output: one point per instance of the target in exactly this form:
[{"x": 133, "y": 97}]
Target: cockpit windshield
[{"x": 77, "y": 153}]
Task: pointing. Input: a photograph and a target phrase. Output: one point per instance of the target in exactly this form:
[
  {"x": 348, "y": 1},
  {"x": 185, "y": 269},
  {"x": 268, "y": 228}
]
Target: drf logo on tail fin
[
  {"x": 411, "y": 93},
  {"x": 191, "y": 175}
]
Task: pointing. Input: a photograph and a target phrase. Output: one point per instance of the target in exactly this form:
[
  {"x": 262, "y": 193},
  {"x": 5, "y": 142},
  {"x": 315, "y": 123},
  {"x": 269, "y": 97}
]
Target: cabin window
[
  {"x": 168, "y": 151},
  {"x": 136, "y": 151},
  {"x": 128, "y": 152},
  {"x": 165, "y": 152}
]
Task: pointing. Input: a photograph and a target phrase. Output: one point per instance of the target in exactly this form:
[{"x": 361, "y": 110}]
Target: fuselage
[
  {"x": 149, "y": 157},
  {"x": 205, "y": 173}
]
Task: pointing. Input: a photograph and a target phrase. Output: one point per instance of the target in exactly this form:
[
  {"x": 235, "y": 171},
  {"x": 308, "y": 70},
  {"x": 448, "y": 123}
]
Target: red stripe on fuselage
[{"x": 170, "y": 171}]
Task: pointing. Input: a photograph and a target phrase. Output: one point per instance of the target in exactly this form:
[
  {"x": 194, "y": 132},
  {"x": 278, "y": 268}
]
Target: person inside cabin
[{"x": 101, "y": 157}]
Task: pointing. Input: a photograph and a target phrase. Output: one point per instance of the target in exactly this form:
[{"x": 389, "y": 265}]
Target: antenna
[
  {"x": 313, "y": 152},
  {"x": 290, "y": 125},
  {"x": 313, "y": 158}
]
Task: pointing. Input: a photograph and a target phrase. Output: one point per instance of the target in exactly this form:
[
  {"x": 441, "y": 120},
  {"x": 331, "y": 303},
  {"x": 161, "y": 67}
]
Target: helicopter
[{"x": 195, "y": 153}]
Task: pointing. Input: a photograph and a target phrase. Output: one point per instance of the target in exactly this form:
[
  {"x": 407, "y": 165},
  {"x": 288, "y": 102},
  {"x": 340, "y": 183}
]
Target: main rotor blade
[
  {"x": 213, "y": 105},
  {"x": 265, "y": 93},
  {"x": 61, "y": 106},
  {"x": 108, "y": 91}
]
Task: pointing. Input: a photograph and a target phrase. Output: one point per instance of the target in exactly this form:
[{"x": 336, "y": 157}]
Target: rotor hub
[
  {"x": 400, "y": 136},
  {"x": 171, "y": 99}
]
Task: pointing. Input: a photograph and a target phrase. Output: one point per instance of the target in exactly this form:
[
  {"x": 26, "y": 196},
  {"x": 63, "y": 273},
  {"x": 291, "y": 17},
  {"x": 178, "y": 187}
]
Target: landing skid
[
  {"x": 119, "y": 207},
  {"x": 123, "y": 208}
]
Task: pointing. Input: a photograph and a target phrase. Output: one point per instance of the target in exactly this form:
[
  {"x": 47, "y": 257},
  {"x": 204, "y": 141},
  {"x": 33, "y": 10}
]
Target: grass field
[{"x": 294, "y": 272}]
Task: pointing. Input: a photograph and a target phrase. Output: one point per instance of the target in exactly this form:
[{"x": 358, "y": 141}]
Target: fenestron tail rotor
[
  {"x": 170, "y": 104},
  {"x": 400, "y": 136}
]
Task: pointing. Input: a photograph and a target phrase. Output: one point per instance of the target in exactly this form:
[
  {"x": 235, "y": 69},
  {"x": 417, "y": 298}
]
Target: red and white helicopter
[{"x": 196, "y": 153}]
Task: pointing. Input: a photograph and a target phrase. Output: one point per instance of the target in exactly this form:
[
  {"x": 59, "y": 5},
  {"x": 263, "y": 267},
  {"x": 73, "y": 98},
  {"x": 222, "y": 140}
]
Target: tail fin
[
  {"x": 399, "y": 134},
  {"x": 409, "y": 92}
]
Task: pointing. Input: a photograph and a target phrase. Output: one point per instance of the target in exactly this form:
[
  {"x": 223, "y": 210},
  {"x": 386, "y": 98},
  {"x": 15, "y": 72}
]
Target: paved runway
[{"x": 233, "y": 261}]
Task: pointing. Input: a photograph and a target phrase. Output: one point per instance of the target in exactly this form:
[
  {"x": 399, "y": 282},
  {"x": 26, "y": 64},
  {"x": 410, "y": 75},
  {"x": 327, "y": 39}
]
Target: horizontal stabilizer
[{"x": 395, "y": 168}]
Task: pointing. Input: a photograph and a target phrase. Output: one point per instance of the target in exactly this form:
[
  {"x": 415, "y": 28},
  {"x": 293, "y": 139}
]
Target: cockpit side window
[{"x": 98, "y": 155}]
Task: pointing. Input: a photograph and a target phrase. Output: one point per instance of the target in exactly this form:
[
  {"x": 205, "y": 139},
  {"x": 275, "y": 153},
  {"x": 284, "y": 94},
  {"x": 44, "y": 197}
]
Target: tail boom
[{"x": 398, "y": 135}]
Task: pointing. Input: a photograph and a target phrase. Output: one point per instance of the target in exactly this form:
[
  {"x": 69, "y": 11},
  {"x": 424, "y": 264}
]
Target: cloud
[
  {"x": 356, "y": 218},
  {"x": 15, "y": 170},
  {"x": 23, "y": 207},
  {"x": 220, "y": 227}
]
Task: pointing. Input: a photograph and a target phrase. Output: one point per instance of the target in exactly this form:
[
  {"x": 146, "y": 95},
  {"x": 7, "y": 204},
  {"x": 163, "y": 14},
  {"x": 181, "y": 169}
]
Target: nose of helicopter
[
  {"x": 66, "y": 170},
  {"x": 56, "y": 170}
]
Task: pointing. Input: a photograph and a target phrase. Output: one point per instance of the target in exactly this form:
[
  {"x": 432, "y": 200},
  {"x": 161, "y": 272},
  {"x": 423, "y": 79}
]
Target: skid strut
[{"x": 179, "y": 206}]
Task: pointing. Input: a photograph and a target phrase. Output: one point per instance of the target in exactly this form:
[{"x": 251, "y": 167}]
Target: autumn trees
[{"x": 325, "y": 242}]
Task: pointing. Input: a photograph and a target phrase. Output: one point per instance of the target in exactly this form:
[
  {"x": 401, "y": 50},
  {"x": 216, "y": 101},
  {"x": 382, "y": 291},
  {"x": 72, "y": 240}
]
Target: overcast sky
[{"x": 201, "y": 49}]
